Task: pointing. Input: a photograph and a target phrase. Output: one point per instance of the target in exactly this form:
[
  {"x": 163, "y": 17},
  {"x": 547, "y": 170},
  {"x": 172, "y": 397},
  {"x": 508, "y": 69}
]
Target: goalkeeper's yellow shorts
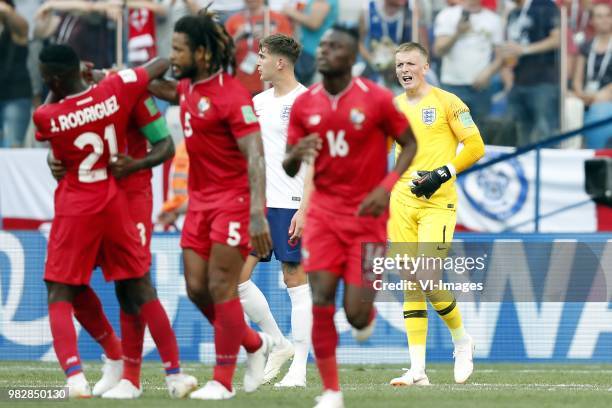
[{"x": 430, "y": 229}]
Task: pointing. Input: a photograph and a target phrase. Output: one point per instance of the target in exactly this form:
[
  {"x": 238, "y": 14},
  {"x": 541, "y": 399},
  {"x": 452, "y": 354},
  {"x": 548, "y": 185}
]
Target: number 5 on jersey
[
  {"x": 233, "y": 235},
  {"x": 338, "y": 146}
]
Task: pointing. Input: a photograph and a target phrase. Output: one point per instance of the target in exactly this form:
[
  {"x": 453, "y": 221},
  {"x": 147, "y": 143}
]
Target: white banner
[
  {"x": 498, "y": 198},
  {"x": 502, "y": 197},
  {"x": 26, "y": 185}
]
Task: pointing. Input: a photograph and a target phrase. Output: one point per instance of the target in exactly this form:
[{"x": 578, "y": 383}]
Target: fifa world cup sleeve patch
[
  {"x": 128, "y": 76},
  {"x": 466, "y": 119},
  {"x": 248, "y": 115}
]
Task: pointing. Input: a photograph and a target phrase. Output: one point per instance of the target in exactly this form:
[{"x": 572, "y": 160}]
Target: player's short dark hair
[
  {"x": 61, "y": 57},
  {"x": 413, "y": 46},
  {"x": 205, "y": 30},
  {"x": 349, "y": 30},
  {"x": 281, "y": 44}
]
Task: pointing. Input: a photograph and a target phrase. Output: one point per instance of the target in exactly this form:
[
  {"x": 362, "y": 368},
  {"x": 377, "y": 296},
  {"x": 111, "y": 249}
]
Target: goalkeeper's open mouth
[{"x": 407, "y": 79}]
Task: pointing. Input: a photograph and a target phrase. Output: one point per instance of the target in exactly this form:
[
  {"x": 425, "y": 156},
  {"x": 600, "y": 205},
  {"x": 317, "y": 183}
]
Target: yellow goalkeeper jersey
[{"x": 440, "y": 121}]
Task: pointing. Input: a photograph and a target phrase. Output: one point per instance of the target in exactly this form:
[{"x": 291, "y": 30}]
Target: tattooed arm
[{"x": 251, "y": 147}]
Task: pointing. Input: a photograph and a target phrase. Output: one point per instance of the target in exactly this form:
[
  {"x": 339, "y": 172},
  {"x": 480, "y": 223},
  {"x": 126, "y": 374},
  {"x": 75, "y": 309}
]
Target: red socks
[
  {"x": 64, "y": 337},
  {"x": 251, "y": 341},
  {"x": 154, "y": 315},
  {"x": 132, "y": 338},
  {"x": 324, "y": 342},
  {"x": 230, "y": 329},
  {"x": 88, "y": 311}
]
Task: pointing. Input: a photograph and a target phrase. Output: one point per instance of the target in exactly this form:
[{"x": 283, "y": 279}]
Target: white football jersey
[{"x": 273, "y": 112}]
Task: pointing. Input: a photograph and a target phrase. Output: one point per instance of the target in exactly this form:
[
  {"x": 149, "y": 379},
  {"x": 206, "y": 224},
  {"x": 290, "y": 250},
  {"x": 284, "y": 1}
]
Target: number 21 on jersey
[{"x": 86, "y": 174}]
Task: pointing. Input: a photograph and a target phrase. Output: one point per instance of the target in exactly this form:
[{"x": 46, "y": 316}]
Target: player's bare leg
[
  {"x": 140, "y": 307},
  {"x": 90, "y": 314},
  {"x": 360, "y": 310},
  {"x": 218, "y": 300},
  {"x": 301, "y": 323},
  {"x": 60, "y": 298},
  {"x": 325, "y": 336}
]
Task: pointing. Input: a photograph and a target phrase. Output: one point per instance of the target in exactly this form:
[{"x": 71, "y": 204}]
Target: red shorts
[
  {"x": 332, "y": 242},
  {"x": 140, "y": 207},
  {"x": 223, "y": 225},
  {"x": 76, "y": 242}
]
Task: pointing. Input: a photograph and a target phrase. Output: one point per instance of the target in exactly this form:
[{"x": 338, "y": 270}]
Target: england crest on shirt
[
  {"x": 429, "y": 116},
  {"x": 285, "y": 112}
]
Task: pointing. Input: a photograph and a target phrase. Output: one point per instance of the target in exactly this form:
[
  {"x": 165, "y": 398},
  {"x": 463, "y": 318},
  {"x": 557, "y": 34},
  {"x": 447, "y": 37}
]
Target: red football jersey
[
  {"x": 354, "y": 126},
  {"x": 144, "y": 113},
  {"x": 215, "y": 113},
  {"x": 85, "y": 130}
]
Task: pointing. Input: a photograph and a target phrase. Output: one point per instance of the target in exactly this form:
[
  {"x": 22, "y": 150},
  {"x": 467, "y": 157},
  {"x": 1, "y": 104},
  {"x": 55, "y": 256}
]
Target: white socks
[
  {"x": 417, "y": 358},
  {"x": 301, "y": 325},
  {"x": 256, "y": 308}
]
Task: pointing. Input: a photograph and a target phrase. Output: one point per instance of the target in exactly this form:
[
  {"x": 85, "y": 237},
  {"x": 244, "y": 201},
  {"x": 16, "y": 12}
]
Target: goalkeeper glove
[{"x": 430, "y": 181}]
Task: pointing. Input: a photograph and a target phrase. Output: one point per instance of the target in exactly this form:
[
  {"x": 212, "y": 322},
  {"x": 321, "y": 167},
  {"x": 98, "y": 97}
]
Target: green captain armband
[{"x": 156, "y": 130}]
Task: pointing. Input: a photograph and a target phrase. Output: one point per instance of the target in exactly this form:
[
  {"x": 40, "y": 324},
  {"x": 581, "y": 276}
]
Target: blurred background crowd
[{"x": 527, "y": 69}]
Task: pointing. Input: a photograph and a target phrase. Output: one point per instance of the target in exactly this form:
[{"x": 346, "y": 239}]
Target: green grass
[{"x": 492, "y": 385}]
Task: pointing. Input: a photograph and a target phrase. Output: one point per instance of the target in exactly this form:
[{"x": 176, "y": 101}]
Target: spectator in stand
[
  {"x": 531, "y": 50},
  {"x": 383, "y": 25},
  {"x": 314, "y": 18},
  {"x": 490, "y": 4},
  {"x": 15, "y": 86},
  {"x": 579, "y": 30},
  {"x": 465, "y": 38},
  {"x": 593, "y": 76},
  {"x": 175, "y": 9},
  {"x": 247, "y": 28},
  {"x": 141, "y": 41},
  {"x": 224, "y": 8},
  {"x": 87, "y": 26}
]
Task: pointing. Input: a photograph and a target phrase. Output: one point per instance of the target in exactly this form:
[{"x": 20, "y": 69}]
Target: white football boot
[
  {"x": 124, "y": 390},
  {"x": 464, "y": 363},
  {"x": 330, "y": 399},
  {"x": 213, "y": 390},
  {"x": 292, "y": 379},
  {"x": 410, "y": 377},
  {"x": 256, "y": 363},
  {"x": 279, "y": 355},
  {"x": 180, "y": 385},
  {"x": 112, "y": 370},
  {"x": 78, "y": 387}
]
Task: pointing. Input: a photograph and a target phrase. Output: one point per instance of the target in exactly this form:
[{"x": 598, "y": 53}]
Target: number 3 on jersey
[
  {"x": 338, "y": 146},
  {"x": 86, "y": 174}
]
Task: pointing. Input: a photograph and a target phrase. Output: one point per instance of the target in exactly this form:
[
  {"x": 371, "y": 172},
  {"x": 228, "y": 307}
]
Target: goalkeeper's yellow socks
[
  {"x": 445, "y": 304},
  {"x": 415, "y": 320}
]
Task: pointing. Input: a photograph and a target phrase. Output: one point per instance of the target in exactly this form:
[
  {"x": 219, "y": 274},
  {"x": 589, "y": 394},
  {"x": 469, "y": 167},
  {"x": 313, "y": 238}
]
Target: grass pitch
[{"x": 492, "y": 385}]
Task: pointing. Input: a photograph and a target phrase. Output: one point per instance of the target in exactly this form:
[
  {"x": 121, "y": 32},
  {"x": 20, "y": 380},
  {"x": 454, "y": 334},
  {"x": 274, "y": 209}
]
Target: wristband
[{"x": 390, "y": 180}]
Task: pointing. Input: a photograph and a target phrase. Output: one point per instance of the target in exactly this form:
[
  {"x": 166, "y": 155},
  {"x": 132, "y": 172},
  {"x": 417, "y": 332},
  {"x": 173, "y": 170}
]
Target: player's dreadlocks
[{"x": 205, "y": 30}]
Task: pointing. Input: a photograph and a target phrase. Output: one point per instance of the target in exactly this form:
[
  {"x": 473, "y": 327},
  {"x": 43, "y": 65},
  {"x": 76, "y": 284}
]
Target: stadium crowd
[{"x": 501, "y": 57}]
